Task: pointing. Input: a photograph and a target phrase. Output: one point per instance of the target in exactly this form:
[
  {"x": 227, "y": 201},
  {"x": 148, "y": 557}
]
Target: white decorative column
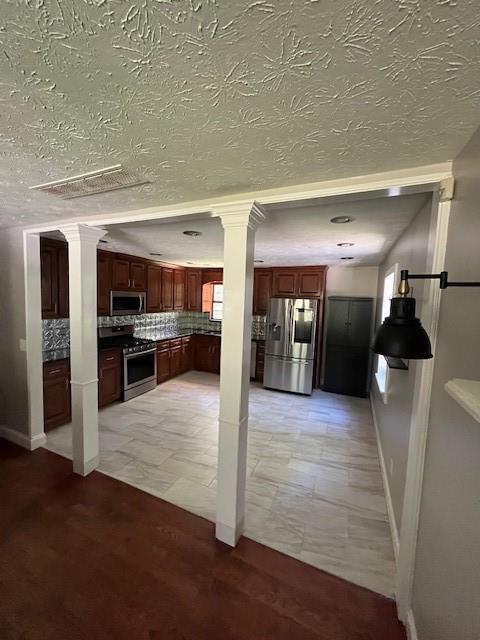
[
  {"x": 82, "y": 262},
  {"x": 33, "y": 335},
  {"x": 239, "y": 222}
]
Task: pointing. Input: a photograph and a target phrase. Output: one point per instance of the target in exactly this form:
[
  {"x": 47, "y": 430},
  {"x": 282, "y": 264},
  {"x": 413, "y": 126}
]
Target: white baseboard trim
[
  {"x": 410, "y": 626},
  {"x": 386, "y": 486},
  {"x": 83, "y": 468},
  {"x": 227, "y": 534},
  {"x": 23, "y": 440}
]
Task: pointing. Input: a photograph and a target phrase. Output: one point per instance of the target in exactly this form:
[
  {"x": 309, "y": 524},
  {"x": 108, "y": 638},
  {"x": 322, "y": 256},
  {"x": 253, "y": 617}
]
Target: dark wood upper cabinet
[
  {"x": 299, "y": 282},
  {"x": 120, "y": 274},
  {"x": 178, "y": 289},
  {"x": 262, "y": 290},
  {"x": 54, "y": 278},
  {"x": 138, "y": 276},
  {"x": 284, "y": 283},
  {"x": 104, "y": 282},
  {"x": 63, "y": 285},
  {"x": 167, "y": 289},
  {"x": 154, "y": 288},
  {"x": 212, "y": 275},
  {"x": 311, "y": 282},
  {"x": 109, "y": 376},
  {"x": 193, "y": 290},
  {"x": 129, "y": 274},
  {"x": 49, "y": 280}
]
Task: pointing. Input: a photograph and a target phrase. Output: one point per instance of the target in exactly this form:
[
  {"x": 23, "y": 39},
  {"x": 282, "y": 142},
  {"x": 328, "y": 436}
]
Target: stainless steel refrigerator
[{"x": 290, "y": 344}]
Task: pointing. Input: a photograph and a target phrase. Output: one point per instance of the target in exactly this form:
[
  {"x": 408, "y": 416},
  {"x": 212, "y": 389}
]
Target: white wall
[
  {"x": 446, "y": 594},
  {"x": 393, "y": 419},
  {"x": 352, "y": 281}
]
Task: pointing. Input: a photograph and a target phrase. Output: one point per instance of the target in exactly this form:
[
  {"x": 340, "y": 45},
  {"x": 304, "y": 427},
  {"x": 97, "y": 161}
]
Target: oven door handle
[{"x": 139, "y": 353}]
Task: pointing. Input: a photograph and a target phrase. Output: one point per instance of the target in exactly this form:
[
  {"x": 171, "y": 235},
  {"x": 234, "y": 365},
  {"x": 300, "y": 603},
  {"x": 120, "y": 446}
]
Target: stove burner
[{"x": 122, "y": 337}]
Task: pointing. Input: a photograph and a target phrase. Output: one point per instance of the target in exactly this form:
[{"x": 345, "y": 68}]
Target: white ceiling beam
[{"x": 417, "y": 179}]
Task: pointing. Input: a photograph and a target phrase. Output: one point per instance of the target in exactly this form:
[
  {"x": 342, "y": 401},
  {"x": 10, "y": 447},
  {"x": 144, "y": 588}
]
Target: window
[
  {"x": 382, "y": 372},
  {"x": 217, "y": 302}
]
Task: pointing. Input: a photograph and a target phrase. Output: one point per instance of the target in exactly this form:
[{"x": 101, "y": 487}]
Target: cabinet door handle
[
  {"x": 110, "y": 358},
  {"x": 66, "y": 384},
  {"x": 50, "y": 373},
  {"x": 129, "y": 283},
  {"x": 101, "y": 374},
  {"x": 133, "y": 283}
]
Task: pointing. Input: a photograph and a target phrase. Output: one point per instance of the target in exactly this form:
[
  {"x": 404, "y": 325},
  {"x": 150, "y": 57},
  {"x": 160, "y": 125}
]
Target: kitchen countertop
[
  {"x": 55, "y": 354},
  {"x": 62, "y": 354}
]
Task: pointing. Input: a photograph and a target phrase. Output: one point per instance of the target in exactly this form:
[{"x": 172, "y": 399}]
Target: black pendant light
[{"x": 401, "y": 334}]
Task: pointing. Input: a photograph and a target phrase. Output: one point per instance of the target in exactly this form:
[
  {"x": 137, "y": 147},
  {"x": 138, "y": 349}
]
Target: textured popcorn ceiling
[
  {"x": 212, "y": 97},
  {"x": 301, "y": 235}
]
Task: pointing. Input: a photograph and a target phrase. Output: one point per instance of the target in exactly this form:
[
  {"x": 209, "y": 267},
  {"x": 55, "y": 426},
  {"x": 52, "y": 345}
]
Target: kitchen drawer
[
  {"x": 163, "y": 345},
  {"x": 56, "y": 369},
  {"x": 187, "y": 340},
  {"x": 109, "y": 356},
  {"x": 177, "y": 342}
]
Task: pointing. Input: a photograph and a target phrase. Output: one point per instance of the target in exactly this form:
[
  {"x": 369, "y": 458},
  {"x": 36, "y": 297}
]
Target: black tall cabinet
[{"x": 347, "y": 347}]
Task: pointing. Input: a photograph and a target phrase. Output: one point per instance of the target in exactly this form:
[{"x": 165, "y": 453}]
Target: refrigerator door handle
[{"x": 290, "y": 324}]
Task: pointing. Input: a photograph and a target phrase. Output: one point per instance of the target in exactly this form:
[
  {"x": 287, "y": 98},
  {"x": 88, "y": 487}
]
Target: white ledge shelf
[{"x": 467, "y": 394}]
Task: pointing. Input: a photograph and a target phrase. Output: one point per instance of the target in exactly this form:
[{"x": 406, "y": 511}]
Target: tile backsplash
[{"x": 154, "y": 326}]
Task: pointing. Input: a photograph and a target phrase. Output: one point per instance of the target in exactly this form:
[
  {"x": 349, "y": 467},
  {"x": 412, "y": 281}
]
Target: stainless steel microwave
[{"x": 127, "y": 303}]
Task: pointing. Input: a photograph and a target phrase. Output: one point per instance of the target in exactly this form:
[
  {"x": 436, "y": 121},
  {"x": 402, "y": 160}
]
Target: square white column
[
  {"x": 33, "y": 334},
  {"x": 239, "y": 222},
  {"x": 82, "y": 262}
]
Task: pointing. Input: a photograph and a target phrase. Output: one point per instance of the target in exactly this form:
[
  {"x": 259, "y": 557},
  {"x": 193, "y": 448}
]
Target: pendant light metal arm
[{"x": 405, "y": 276}]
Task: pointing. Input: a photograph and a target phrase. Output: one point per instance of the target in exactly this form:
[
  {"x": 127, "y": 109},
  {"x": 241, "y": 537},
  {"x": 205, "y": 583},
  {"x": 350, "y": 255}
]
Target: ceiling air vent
[{"x": 89, "y": 184}]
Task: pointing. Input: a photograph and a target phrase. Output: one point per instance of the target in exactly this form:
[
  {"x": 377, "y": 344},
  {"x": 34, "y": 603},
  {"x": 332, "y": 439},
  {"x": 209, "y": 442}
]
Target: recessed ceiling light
[
  {"x": 152, "y": 253},
  {"x": 259, "y": 261},
  {"x": 345, "y": 244},
  {"x": 193, "y": 234},
  {"x": 348, "y": 258},
  {"x": 341, "y": 219}
]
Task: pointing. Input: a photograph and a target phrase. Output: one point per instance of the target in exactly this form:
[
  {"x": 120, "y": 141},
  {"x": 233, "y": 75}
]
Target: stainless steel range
[{"x": 139, "y": 358}]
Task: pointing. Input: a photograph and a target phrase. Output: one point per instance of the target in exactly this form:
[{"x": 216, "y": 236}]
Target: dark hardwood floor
[{"x": 93, "y": 558}]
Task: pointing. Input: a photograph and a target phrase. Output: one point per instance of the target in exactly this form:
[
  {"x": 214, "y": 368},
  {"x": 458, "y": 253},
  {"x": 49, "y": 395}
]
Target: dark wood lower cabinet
[
  {"x": 109, "y": 376},
  {"x": 56, "y": 393},
  {"x": 176, "y": 359},
  {"x": 207, "y": 353},
  {"x": 163, "y": 361},
  {"x": 260, "y": 361},
  {"x": 187, "y": 355}
]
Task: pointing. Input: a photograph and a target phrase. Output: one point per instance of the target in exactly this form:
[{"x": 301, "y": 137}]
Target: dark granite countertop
[
  {"x": 61, "y": 354},
  {"x": 55, "y": 354}
]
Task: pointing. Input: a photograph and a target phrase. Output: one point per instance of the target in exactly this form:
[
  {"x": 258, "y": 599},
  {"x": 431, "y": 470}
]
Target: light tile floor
[{"x": 314, "y": 487}]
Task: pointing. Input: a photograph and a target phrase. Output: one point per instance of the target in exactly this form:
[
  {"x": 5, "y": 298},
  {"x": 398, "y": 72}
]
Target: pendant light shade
[{"x": 401, "y": 334}]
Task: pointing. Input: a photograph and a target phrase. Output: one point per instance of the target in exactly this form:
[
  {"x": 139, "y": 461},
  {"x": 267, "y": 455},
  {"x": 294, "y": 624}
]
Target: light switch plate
[{"x": 23, "y": 344}]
